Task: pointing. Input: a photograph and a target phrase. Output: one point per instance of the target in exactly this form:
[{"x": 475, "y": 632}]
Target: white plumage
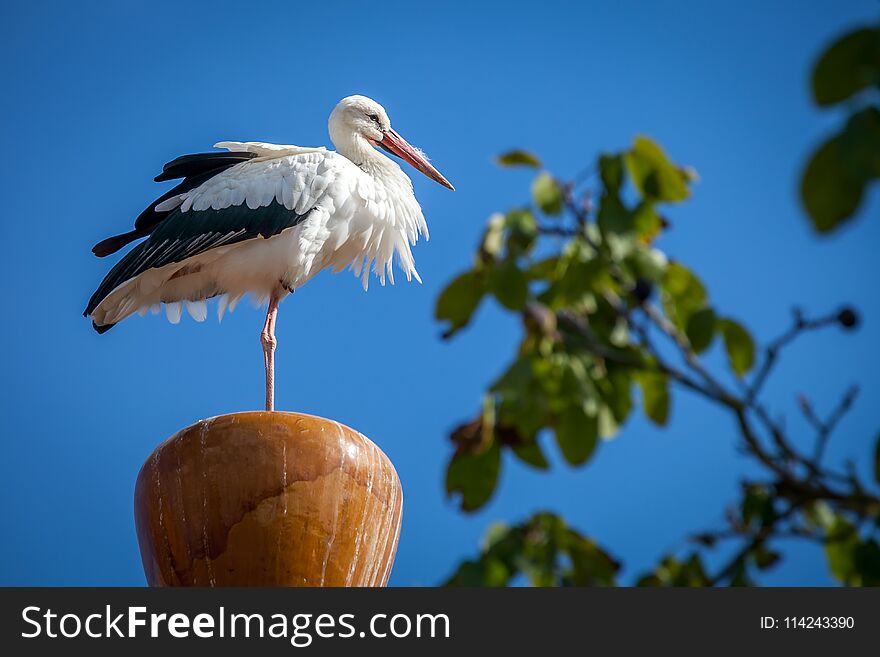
[
  {"x": 356, "y": 220},
  {"x": 350, "y": 208}
]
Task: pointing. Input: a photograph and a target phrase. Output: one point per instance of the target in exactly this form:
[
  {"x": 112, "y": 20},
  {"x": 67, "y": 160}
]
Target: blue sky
[{"x": 97, "y": 96}]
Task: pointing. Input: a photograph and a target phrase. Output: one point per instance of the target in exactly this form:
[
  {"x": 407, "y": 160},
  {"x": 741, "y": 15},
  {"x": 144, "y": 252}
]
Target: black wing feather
[
  {"x": 184, "y": 235},
  {"x": 194, "y": 169},
  {"x": 197, "y": 163},
  {"x": 150, "y": 218}
]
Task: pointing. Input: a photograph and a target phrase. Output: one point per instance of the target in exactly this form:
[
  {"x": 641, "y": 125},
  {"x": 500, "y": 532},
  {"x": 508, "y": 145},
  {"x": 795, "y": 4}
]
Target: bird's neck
[{"x": 367, "y": 158}]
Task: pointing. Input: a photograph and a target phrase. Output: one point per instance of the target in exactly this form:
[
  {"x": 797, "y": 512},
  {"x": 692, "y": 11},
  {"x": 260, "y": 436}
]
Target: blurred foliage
[
  {"x": 544, "y": 550},
  {"x": 518, "y": 158},
  {"x": 580, "y": 363},
  {"x": 839, "y": 171},
  {"x": 612, "y": 326}
]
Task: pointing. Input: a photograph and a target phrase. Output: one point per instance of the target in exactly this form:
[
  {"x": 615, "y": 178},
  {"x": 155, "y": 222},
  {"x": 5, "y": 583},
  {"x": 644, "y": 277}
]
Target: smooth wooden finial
[{"x": 268, "y": 499}]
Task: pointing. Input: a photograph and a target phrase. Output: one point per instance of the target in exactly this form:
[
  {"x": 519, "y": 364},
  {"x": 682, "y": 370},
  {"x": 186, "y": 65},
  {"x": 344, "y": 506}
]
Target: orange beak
[{"x": 397, "y": 145}]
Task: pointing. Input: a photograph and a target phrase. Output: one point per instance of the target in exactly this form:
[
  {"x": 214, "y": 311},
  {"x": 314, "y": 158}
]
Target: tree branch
[
  {"x": 592, "y": 344},
  {"x": 771, "y": 352},
  {"x": 825, "y": 428}
]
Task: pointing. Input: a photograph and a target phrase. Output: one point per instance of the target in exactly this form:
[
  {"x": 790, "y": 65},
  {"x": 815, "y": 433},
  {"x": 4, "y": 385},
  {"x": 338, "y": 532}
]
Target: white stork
[{"x": 263, "y": 219}]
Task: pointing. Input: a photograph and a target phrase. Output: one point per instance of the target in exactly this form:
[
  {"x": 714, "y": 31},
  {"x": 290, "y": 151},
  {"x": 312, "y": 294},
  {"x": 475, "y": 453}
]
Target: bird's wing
[
  {"x": 258, "y": 198},
  {"x": 195, "y": 169},
  {"x": 261, "y": 149}
]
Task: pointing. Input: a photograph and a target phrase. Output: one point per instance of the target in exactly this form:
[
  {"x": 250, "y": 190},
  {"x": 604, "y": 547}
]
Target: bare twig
[
  {"x": 659, "y": 320},
  {"x": 771, "y": 352},
  {"x": 825, "y": 428},
  {"x": 761, "y": 536},
  {"x": 560, "y": 231}
]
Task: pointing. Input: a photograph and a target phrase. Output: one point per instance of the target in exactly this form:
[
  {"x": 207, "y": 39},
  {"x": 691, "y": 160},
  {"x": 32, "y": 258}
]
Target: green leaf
[
  {"x": 510, "y": 285},
  {"x": 474, "y": 475},
  {"x": 841, "y": 544},
  {"x": 757, "y": 506},
  {"x": 543, "y": 549},
  {"x": 851, "y": 64},
  {"x": 681, "y": 282},
  {"x": 867, "y": 561},
  {"x": 616, "y": 391},
  {"x": 608, "y": 426},
  {"x": 648, "y": 264},
  {"x": 571, "y": 383},
  {"x": 830, "y": 189},
  {"x": 543, "y": 269},
  {"x": 739, "y": 344},
  {"x": 577, "y": 275},
  {"x": 684, "y": 294},
  {"x": 523, "y": 403},
  {"x": 485, "y": 572},
  {"x": 590, "y": 565},
  {"x": 646, "y": 221},
  {"x": 764, "y": 557},
  {"x": 576, "y": 433},
  {"x": 522, "y": 232},
  {"x": 459, "y": 300},
  {"x": 613, "y": 216},
  {"x": 701, "y": 329},
  {"x": 547, "y": 194},
  {"x": 655, "y": 396},
  {"x": 488, "y": 419},
  {"x": 649, "y": 580},
  {"x": 531, "y": 454},
  {"x": 834, "y": 181},
  {"x": 653, "y": 174},
  {"x": 672, "y": 572},
  {"x": 819, "y": 515},
  {"x": 493, "y": 238},
  {"x": 518, "y": 158},
  {"x": 861, "y": 142},
  {"x": 611, "y": 172},
  {"x": 740, "y": 577},
  {"x": 496, "y": 534}
]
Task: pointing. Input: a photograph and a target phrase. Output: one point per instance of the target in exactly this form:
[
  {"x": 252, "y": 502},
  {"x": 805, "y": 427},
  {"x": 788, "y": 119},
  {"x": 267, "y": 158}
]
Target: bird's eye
[{"x": 373, "y": 117}]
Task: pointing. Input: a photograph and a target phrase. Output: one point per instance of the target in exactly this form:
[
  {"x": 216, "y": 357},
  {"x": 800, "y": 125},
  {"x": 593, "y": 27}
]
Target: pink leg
[{"x": 267, "y": 339}]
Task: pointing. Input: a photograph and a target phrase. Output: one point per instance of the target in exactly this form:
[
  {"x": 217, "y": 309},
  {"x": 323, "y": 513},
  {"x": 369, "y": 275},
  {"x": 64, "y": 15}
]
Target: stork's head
[{"x": 358, "y": 119}]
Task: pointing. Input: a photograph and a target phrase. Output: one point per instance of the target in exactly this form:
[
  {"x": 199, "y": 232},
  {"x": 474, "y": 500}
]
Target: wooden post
[{"x": 268, "y": 499}]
